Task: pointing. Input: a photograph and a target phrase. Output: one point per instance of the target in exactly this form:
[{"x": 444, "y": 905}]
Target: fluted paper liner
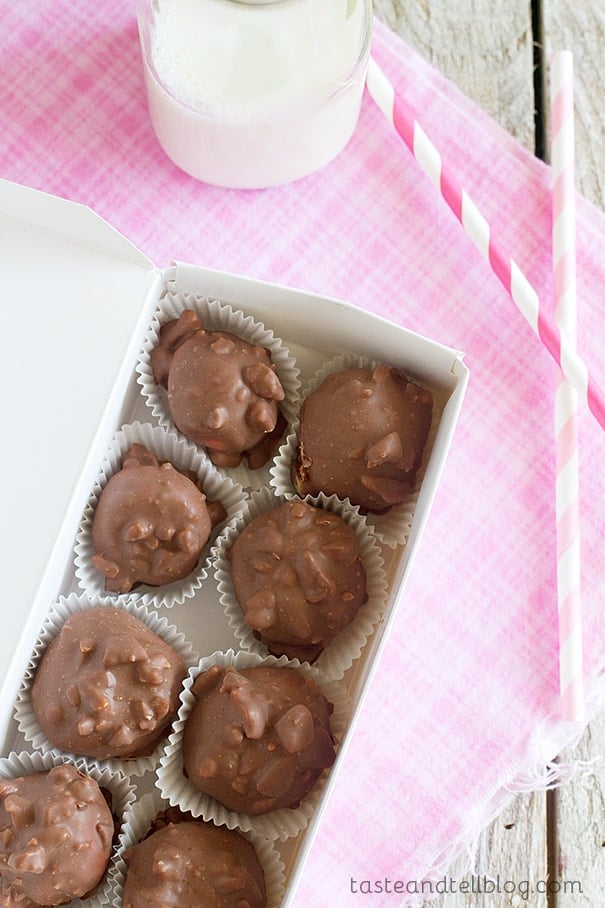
[
  {"x": 122, "y": 796},
  {"x": 140, "y": 818},
  {"x": 347, "y": 646},
  {"x": 167, "y": 447},
  {"x": 55, "y": 619},
  {"x": 177, "y": 789},
  {"x": 393, "y": 526},
  {"x": 218, "y": 316}
]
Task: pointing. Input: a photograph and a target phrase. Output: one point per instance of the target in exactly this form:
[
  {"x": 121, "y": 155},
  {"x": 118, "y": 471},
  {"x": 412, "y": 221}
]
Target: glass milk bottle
[{"x": 254, "y": 93}]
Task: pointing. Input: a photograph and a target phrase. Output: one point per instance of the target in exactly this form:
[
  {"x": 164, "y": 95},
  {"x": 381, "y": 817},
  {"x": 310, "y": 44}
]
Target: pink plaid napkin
[{"x": 463, "y": 708}]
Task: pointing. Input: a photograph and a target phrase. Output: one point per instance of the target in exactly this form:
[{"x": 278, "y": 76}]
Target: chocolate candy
[
  {"x": 361, "y": 437},
  {"x": 56, "y": 832},
  {"x": 298, "y": 577},
  {"x": 257, "y": 739},
  {"x": 151, "y": 523},
  {"x": 192, "y": 864},
  {"x": 223, "y": 392},
  {"x": 107, "y": 685}
]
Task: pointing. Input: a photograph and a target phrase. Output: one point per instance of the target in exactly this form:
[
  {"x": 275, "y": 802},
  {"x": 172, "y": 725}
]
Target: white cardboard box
[{"x": 76, "y": 300}]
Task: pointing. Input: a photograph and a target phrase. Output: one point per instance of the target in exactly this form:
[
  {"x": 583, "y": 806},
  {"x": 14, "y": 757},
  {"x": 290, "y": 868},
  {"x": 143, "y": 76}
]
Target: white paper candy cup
[
  {"x": 57, "y": 616},
  {"x": 339, "y": 655},
  {"x": 122, "y": 797},
  {"x": 167, "y": 447},
  {"x": 177, "y": 789},
  {"x": 218, "y": 316},
  {"x": 393, "y": 526},
  {"x": 142, "y": 815}
]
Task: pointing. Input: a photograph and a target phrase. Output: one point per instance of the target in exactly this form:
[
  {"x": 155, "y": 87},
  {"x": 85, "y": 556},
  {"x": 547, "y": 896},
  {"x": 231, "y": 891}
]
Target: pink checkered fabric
[{"x": 464, "y": 704}]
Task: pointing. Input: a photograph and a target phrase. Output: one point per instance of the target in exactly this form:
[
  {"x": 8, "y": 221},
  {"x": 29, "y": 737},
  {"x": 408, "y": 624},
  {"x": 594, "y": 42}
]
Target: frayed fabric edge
[{"x": 542, "y": 772}]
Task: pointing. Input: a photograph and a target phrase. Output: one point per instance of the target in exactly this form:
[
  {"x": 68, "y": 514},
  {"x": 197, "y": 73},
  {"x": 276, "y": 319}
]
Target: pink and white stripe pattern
[
  {"x": 561, "y": 347},
  {"x": 565, "y": 411}
]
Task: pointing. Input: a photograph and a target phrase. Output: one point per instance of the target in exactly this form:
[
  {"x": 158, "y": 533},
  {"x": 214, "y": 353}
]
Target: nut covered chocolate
[
  {"x": 257, "y": 739},
  {"x": 362, "y": 434},
  {"x": 223, "y": 392},
  {"x": 56, "y": 832},
  {"x": 298, "y": 577},
  {"x": 151, "y": 523},
  {"x": 190, "y": 864},
  {"x": 107, "y": 685}
]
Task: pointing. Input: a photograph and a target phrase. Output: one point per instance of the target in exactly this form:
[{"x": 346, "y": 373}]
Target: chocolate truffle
[
  {"x": 189, "y": 864},
  {"x": 223, "y": 392},
  {"x": 107, "y": 685},
  {"x": 298, "y": 577},
  {"x": 151, "y": 523},
  {"x": 257, "y": 739},
  {"x": 362, "y": 434},
  {"x": 56, "y": 832}
]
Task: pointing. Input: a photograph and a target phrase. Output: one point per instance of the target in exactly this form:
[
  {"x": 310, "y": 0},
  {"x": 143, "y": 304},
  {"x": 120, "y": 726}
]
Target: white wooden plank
[
  {"x": 580, "y": 804},
  {"x": 510, "y": 861},
  {"x": 580, "y": 28},
  {"x": 484, "y": 47}
]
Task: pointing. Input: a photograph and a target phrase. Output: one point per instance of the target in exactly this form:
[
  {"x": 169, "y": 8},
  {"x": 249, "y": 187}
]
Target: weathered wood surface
[
  {"x": 580, "y": 28},
  {"x": 579, "y": 851},
  {"x": 487, "y": 49}
]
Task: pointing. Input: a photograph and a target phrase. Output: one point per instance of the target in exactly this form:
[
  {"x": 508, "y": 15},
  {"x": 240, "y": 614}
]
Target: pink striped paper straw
[
  {"x": 559, "y": 345},
  {"x": 565, "y": 412}
]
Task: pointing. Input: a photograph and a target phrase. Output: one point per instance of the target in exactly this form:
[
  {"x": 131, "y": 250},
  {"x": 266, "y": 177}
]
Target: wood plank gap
[
  {"x": 552, "y": 847},
  {"x": 541, "y": 118},
  {"x": 542, "y": 150}
]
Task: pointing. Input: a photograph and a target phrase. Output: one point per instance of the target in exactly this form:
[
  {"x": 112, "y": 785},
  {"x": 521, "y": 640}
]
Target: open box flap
[
  {"x": 75, "y": 297},
  {"x": 23, "y": 209}
]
